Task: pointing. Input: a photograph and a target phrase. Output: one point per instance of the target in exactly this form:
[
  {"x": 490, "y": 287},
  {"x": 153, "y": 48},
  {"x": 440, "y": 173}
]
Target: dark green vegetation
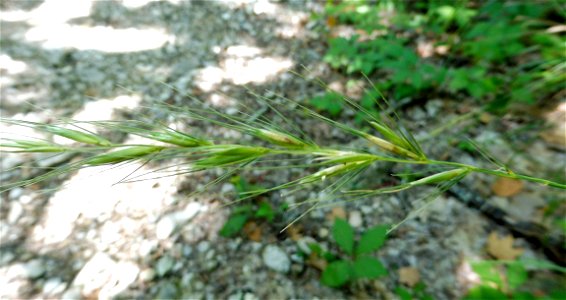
[{"x": 496, "y": 52}]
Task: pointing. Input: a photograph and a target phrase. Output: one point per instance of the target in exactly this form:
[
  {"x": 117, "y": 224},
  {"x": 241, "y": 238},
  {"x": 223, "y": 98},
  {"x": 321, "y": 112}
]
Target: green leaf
[
  {"x": 234, "y": 224},
  {"x": 372, "y": 240},
  {"x": 485, "y": 292},
  {"x": 516, "y": 275},
  {"x": 403, "y": 293},
  {"x": 524, "y": 296},
  {"x": 344, "y": 235},
  {"x": 368, "y": 267},
  {"x": 336, "y": 274},
  {"x": 487, "y": 272},
  {"x": 329, "y": 102},
  {"x": 265, "y": 211}
]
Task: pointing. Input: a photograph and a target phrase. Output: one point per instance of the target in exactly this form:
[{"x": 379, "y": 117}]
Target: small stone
[
  {"x": 323, "y": 232},
  {"x": 16, "y": 211},
  {"x": 165, "y": 227},
  {"x": 53, "y": 286},
  {"x": 276, "y": 259},
  {"x": 203, "y": 246},
  {"x": 35, "y": 268},
  {"x": 16, "y": 193},
  {"x": 147, "y": 275},
  {"x": 164, "y": 265},
  {"x": 72, "y": 293},
  {"x": 355, "y": 219}
]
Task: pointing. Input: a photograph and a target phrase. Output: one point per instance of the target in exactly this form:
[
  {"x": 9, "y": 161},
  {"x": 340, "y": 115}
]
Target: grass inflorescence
[{"x": 389, "y": 142}]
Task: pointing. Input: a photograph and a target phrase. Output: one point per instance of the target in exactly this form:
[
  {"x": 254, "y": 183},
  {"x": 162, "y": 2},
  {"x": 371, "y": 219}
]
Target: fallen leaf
[
  {"x": 295, "y": 232},
  {"x": 502, "y": 248},
  {"x": 316, "y": 261},
  {"x": 336, "y": 213},
  {"x": 507, "y": 187},
  {"x": 409, "y": 276},
  {"x": 253, "y": 231}
]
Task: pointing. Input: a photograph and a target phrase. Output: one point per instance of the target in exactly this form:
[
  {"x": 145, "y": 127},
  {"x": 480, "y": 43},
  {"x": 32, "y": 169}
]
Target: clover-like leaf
[
  {"x": 344, "y": 235},
  {"x": 372, "y": 240}
]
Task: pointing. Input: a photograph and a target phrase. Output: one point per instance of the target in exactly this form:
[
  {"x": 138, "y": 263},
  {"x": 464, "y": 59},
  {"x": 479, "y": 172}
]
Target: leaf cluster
[
  {"x": 357, "y": 264},
  {"x": 499, "y": 52}
]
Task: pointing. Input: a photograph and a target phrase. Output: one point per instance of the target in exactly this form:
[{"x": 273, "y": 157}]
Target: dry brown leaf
[
  {"x": 253, "y": 231},
  {"x": 502, "y": 248},
  {"x": 507, "y": 187},
  {"x": 295, "y": 232},
  {"x": 409, "y": 276},
  {"x": 317, "y": 262},
  {"x": 336, "y": 213}
]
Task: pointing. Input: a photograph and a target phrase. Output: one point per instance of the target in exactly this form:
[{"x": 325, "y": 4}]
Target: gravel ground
[{"x": 80, "y": 236}]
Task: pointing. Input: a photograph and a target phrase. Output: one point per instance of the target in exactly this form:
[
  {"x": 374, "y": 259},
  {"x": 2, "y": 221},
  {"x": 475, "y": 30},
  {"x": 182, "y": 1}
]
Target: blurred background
[{"x": 458, "y": 73}]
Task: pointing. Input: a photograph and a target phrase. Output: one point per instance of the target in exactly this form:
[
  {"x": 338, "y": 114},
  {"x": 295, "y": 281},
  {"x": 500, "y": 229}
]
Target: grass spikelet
[
  {"x": 31, "y": 146},
  {"x": 389, "y": 147},
  {"x": 224, "y": 155},
  {"x": 441, "y": 177},
  {"x": 129, "y": 153},
  {"x": 280, "y": 139},
  {"x": 76, "y": 135}
]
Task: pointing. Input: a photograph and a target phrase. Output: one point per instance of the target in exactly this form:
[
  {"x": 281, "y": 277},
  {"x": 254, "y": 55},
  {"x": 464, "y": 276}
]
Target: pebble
[
  {"x": 323, "y": 232},
  {"x": 72, "y": 293},
  {"x": 203, "y": 246},
  {"x": 35, "y": 268},
  {"x": 16, "y": 211},
  {"x": 53, "y": 286},
  {"x": 164, "y": 265},
  {"x": 165, "y": 227},
  {"x": 276, "y": 259},
  {"x": 355, "y": 219}
]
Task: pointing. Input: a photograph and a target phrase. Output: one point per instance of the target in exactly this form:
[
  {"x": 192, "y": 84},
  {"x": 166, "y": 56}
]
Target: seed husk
[
  {"x": 122, "y": 155},
  {"x": 280, "y": 138},
  {"x": 387, "y": 146},
  {"x": 232, "y": 155},
  {"x": 440, "y": 177},
  {"x": 178, "y": 138},
  {"x": 32, "y": 146},
  {"x": 78, "y": 136},
  {"x": 390, "y": 135}
]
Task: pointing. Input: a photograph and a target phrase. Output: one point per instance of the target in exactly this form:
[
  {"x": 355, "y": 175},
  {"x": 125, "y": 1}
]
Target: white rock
[
  {"x": 203, "y": 246},
  {"x": 355, "y": 218},
  {"x": 165, "y": 227},
  {"x": 72, "y": 293},
  {"x": 35, "y": 268},
  {"x": 16, "y": 193},
  {"x": 276, "y": 259},
  {"x": 53, "y": 286},
  {"x": 16, "y": 211}
]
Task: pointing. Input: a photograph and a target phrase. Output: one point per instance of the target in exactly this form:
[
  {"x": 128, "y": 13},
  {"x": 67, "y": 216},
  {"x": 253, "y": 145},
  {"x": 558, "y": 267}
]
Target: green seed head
[
  {"x": 441, "y": 177},
  {"x": 389, "y": 147},
  {"x": 32, "y": 146},
  {"x": 129, "y": 153},
  {"x": 390, "y": 135},
  {"x": 333, "y": 171},
  {"x": 223, "y": 156},
  {"x": 177, "y": 138},
  {"x": 280, "y": 139},
  {"x": 78, "y": 136}
]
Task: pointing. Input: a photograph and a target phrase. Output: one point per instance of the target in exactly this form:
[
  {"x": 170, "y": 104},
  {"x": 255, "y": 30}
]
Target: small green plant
[
  {"x": 418, "y": 292},
  {"x": 505, "y": 279},
  {"x": 356, "y": 262},
  {"x": 497, "y": 52},
  {"x": 244, "y": 213}
]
